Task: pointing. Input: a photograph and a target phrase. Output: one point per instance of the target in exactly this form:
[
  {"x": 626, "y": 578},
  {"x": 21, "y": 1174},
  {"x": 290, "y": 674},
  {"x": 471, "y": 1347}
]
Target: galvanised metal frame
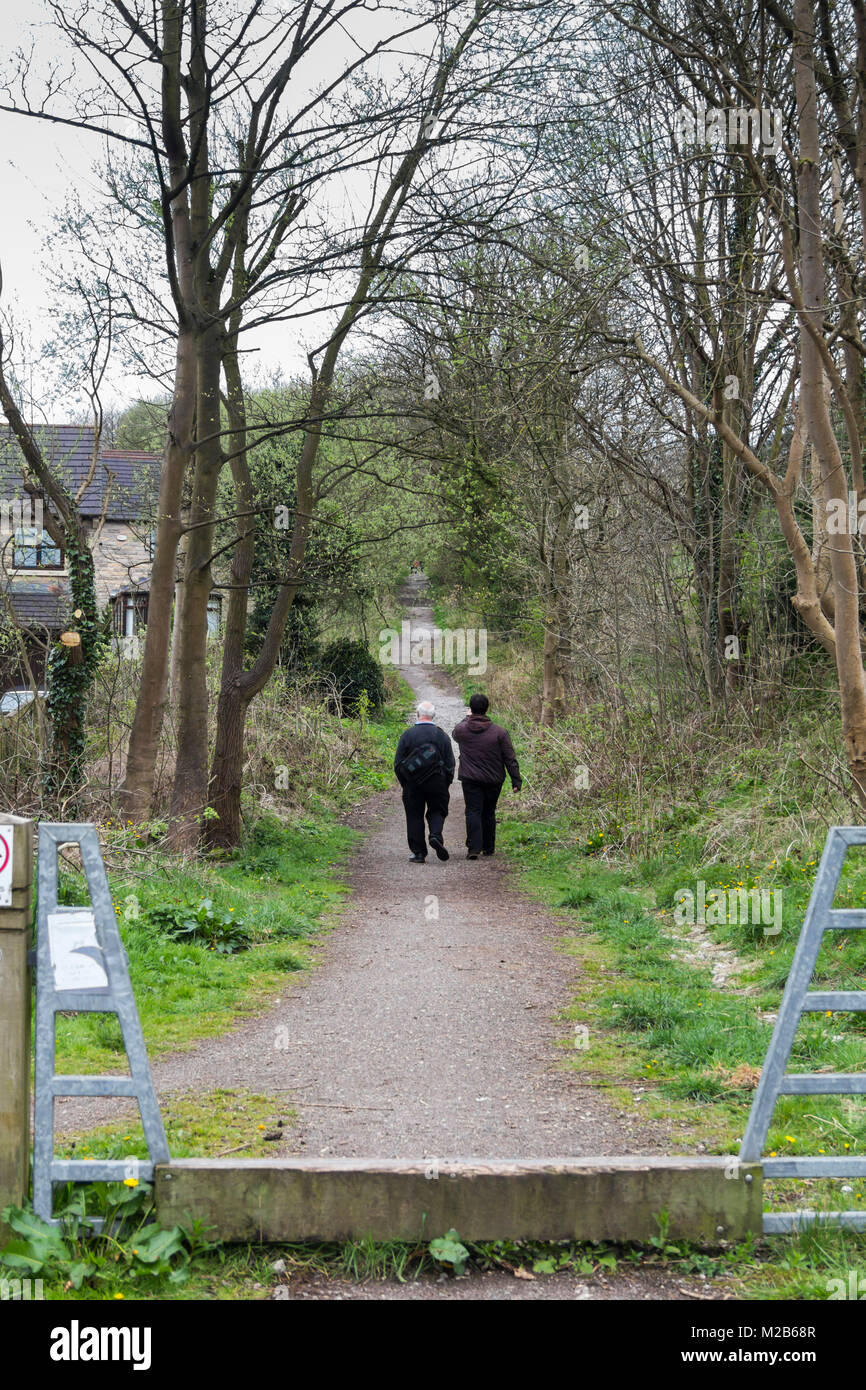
[
  {"x": 797, "y": 1000},
  {"x": 116, "y": 997}
]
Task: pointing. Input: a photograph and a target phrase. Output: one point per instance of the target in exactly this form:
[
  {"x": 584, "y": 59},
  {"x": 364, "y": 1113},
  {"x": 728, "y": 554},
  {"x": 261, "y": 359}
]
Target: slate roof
[
  {"x": 69, "y": 450},
  {"x": 43, "y": 604}
]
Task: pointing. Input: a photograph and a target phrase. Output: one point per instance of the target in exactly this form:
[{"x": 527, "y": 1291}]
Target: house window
[
  {"x": 35, "y": 550},
  {"x": 130, "y": 613}
]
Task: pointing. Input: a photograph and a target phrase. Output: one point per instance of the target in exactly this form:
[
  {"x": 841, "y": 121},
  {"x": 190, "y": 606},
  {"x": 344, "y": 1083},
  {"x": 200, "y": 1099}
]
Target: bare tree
[
  {"x": 236, "y": 132},
  {"x": 817, "y": 206}
]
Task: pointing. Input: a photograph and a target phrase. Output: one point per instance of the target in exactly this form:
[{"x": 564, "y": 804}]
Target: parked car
[{"x": 11, "y": 701}]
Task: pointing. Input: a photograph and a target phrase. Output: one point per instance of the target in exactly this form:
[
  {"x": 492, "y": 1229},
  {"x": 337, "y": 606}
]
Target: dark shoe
[
  {"x": 417, "y": 859},
  {"x": 471, "y": 855},
  {"x": 487, "y": 854},
  {"x": 441, "y": 851}
]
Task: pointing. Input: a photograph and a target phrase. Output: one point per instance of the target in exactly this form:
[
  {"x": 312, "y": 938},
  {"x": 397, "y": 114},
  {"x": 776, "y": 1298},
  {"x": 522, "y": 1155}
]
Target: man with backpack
[
  {"x": 424, "y": 765},
  {"x": 486, "y": 752}
]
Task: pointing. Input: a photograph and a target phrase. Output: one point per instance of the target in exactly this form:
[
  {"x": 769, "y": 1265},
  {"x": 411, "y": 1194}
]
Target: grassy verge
[
  {"x": 212, "y": 1125},
  {"x": 625, "y": 814},
  {"x": 655, "y": 1018},
  {"x": 211, "y": 940},
  {"x": 278, "y": 894},
  {"x": 672, "y": 1015},
  {"x": 669, "y": 1041}
]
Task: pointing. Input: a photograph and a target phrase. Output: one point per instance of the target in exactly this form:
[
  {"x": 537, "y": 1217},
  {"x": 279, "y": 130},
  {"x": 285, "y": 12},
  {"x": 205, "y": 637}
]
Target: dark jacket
[
  {"x": 426, "y": 732},
  {"x": 485, "y": 751}
]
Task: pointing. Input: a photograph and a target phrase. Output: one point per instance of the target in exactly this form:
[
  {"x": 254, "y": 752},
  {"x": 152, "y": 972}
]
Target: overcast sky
[{"x": 39, "y": 162}]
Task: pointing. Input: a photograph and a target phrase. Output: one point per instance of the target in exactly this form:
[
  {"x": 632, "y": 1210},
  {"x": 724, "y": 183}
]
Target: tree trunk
[
  {"x": 70, "y": 674},
  {"x": 821, "y": 543},
  {"x": 228, "y": 757},
  {"x": 228, "y": 767},
  {"x": 849, "y": 661},
  {"x": 176, "y": 664},
  {"x": 556, "y": 614},
  {"x": 70, "y": 679},
  {"x": 189, "y": 796},
  {"x": 136, "y": 794},
  {"x": 553, "y": 685}
]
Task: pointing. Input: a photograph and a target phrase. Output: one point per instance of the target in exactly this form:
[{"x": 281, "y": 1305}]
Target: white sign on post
[
  {"x": 7, "y": 833},
  {"x": 76, "y": 956}
]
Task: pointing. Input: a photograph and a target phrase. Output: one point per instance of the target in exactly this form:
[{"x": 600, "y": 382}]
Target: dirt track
[{"x": 430, "y": 1027}]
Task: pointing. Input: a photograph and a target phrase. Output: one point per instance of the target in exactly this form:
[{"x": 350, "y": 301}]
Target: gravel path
[{"x": 418, "y": 1034}]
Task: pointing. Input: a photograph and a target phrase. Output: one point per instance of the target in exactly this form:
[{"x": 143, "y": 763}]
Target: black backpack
[{"x": 419, "y": 764}]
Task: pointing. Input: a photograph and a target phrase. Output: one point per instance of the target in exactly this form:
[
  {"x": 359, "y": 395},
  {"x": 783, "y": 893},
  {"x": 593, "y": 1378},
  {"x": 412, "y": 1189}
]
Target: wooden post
[{"x": 15, "y": 1003}]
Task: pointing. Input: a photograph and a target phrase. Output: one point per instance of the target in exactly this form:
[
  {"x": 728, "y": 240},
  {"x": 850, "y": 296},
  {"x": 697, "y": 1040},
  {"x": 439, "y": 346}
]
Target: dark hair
[{"x": 479, "y": 704}]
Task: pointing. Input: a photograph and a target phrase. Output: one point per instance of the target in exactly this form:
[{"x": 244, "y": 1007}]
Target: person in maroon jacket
[{"x": 485, "y": 754}]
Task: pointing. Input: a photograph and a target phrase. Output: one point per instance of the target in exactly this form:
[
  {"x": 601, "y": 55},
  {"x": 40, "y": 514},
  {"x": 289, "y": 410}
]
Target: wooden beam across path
[{"x": 618, "y": 1199}]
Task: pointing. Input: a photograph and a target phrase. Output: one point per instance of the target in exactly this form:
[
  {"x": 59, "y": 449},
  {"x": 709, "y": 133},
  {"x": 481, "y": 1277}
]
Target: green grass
[
  {"x": 284, "y": 884},
  {"x": 211, "y": 1125},
  {"x": 108, "y": 1265},
  {"x": 662, "y": 1039},
  {"x": 687, "y": 1035},
  {"x": 816, "y": 1264}
]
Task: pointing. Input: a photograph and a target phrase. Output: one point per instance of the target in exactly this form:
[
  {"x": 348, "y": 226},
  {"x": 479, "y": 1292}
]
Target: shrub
[{"x": 354, "y": 674}]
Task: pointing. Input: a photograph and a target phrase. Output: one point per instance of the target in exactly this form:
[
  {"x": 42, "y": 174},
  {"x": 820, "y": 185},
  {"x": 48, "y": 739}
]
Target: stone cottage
[{"x": 118, "y": 508}]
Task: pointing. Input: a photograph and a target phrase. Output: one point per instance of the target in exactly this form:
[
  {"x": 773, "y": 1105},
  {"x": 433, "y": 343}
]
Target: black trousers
[
  {"x": 481, "y": 799},
  {"x": 432, "y": 797}
]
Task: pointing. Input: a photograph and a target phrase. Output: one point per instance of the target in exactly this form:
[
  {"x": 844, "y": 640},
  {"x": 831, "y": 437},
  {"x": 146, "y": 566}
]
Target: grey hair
[{"x": 426, "y": 709}]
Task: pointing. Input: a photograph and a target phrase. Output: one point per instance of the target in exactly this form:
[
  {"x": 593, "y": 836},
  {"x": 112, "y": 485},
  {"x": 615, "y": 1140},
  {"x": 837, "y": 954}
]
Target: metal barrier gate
[
  {"x": 82, "y": 965},
  {"x": 798, "y": 999}
]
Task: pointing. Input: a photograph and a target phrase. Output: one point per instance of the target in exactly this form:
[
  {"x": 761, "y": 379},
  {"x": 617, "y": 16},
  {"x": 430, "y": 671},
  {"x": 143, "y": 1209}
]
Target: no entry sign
[{"x": 6, "y": 841}]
